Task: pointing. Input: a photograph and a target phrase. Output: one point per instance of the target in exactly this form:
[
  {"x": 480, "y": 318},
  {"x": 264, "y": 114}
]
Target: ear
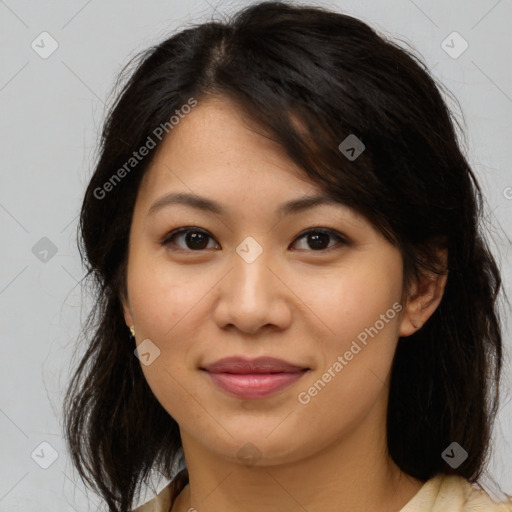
[
  {"x": 424, "y": 296},
  {"x": 126, "y": 309}
]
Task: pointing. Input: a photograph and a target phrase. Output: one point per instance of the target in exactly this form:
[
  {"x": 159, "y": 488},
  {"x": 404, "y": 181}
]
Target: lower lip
[{"x": 254, "y": 385}]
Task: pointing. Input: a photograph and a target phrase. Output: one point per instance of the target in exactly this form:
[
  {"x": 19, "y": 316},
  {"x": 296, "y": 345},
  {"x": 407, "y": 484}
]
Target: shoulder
[
  {"x": 453, "y": 493},
  {"x": 442, "y": 493},
  {"x": 163, "y": 501},
  {"x": 160, "y": 503}
]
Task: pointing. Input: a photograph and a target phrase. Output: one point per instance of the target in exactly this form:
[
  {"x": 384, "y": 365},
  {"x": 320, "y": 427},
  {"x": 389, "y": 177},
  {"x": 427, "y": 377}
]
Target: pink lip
[
  {"x": 254, "y": 385},
  {"x": 257, "y": 365},
  {"x": 253, "y": 378}
]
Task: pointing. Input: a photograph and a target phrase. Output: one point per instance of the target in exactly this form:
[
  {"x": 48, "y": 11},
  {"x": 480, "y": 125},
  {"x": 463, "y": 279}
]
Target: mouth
[
  {"x": 256, "y": 378},
  {"x": 259, "y": 365}
]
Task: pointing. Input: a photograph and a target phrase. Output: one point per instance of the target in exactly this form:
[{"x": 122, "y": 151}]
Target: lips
[
  {"x": 241, "y": 365},
  {"x": 253, "y": 378}
]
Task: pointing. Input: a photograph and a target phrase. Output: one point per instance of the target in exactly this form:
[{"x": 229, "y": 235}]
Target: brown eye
[
  {"x": 194, "y": 239},
  {"x": 318, "y": 239}
]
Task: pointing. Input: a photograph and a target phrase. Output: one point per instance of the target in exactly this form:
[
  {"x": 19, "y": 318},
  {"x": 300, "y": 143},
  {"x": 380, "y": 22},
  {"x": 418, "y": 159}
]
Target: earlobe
[
  {"x": 424, "y": 298},
  {"x": 128, "y": 318},
  {"x": 126, "y": 310}
]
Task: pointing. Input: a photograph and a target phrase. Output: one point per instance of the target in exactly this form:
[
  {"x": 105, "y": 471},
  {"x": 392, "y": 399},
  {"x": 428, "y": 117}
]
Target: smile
[{"x": 255, "y": 385}]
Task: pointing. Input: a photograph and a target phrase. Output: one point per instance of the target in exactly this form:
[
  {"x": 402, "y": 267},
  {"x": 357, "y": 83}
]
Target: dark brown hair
[{"x": 334, "y": 74}]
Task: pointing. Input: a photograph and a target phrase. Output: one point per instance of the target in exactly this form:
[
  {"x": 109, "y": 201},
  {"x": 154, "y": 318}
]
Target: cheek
[
  {"x": 354, "y": 297},
  {"x": 161, "y": 296},
  {"x": 361, "y": 310},
  {"x": 163, "y": 303}
]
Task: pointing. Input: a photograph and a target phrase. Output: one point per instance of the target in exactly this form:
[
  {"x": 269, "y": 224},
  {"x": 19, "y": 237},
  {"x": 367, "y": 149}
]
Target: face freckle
[{"x": 301, "y": 305}]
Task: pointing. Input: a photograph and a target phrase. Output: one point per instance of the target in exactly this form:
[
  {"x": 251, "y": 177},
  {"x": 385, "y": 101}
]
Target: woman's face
[{"x": 248, "y": 281}]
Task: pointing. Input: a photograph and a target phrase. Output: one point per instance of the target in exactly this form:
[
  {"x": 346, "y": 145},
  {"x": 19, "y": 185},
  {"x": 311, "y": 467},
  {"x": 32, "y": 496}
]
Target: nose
[{"x": 253, "y": 296}]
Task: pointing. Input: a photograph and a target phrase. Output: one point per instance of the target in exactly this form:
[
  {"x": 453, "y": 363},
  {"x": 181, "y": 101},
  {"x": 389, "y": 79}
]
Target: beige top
[{"x": 442, "y": 493}]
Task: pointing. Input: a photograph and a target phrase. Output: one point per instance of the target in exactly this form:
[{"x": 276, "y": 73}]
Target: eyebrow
[{"x": 209, "y": 205}]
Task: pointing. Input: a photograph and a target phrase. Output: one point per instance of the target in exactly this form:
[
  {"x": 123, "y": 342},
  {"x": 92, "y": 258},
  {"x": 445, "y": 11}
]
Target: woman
[{"x": 296, "y": 308}]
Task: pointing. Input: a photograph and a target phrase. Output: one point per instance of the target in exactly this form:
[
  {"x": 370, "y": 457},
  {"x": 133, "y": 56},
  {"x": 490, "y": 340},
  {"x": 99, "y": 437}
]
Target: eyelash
[{"x": 168, "y": 240}]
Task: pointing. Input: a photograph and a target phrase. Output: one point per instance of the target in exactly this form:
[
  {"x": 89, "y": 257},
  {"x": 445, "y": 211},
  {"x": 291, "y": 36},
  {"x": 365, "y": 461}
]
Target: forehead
[
  {"x": 218, "y": 160},
  {"x": 216, "y": 145}
]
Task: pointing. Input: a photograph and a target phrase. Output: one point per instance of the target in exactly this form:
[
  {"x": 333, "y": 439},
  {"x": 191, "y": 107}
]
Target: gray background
[{"x": 51, "y": 115}]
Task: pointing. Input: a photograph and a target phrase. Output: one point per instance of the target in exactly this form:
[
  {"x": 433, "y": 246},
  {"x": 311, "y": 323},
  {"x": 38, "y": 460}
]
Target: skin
[{"x": 295, "y": 302}]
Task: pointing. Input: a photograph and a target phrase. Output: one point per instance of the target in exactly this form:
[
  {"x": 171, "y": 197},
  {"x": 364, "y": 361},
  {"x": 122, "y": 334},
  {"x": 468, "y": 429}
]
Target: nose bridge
[
  {"x": 251, "y": 276},
  {"x": 251, "y": 295}
]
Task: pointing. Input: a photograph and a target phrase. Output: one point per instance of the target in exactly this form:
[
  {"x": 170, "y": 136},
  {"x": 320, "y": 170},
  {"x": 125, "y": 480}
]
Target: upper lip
[{"x": 257, "y": 365}]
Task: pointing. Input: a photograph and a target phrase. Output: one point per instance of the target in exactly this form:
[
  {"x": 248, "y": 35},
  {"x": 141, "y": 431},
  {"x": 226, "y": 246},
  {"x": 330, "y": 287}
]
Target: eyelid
[
  {"x": 342, "y": 239},
  {"x": 183, "y": 230},
  {"x": 329, "y": 231}
]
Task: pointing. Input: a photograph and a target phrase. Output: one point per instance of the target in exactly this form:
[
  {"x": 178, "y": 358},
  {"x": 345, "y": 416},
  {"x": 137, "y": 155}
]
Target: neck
[{"x": 353, "y": 473}]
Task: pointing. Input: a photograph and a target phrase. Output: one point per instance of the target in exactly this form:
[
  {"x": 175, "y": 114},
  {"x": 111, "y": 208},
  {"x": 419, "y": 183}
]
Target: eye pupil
[
  {"x": 316, "y": 240},
  {"x": 194, "y": 239}
]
